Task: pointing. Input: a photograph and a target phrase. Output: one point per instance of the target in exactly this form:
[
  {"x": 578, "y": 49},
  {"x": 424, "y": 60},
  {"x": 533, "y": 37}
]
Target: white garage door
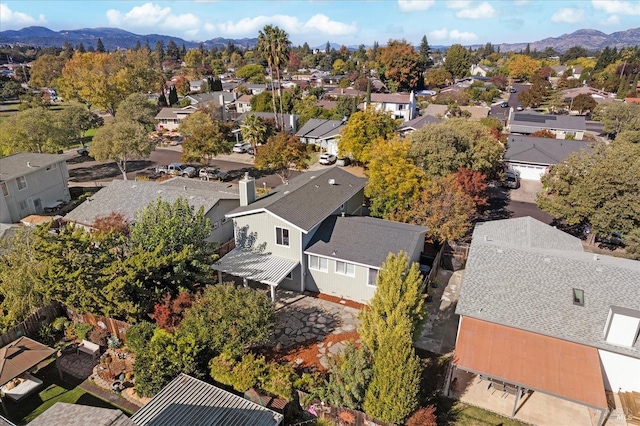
[{"x": 529, "y": 172}]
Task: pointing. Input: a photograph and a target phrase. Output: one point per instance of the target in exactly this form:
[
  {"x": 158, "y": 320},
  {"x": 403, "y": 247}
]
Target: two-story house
[
  {"x": 538, "y": 315},
  {"x": 127, "y": 198},
  {"x": 32, "y": 183},
  {"x": 401, "y": 106},
  {"x": 308, "y": 235}
]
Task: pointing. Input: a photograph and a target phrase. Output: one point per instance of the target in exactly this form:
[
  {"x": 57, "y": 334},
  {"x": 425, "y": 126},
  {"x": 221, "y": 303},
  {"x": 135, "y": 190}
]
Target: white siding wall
[
  {"x": 620, "y": 372},
  {"x": 263, "y": 226},
  {"x": 223, "y": 232},
  {"x": 352, "y": 288},
  {"x": 47, "y": 184}
]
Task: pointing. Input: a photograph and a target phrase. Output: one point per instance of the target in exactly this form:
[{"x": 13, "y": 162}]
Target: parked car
[
  {"x": 327, "y": 159},
  {"x": 251, "y": 151},
  {"x": 512, "y": 90},
  {"x": 84, "y": 151},
  {"x": 505, "y": 104},
  {"x": 511, "y": 180},
  {"x": 343, "y": 162},
  {"x": 208, "y": 173},
  {"x": 176, "y": 169},
  {"x": 519, "y": 108},
  {"x": 241, "y": 147}
]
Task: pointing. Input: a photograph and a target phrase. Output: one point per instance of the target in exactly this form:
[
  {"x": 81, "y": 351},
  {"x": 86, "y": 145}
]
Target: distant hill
[
  {"x": 112, "y": 38},
  {"x": 589, "y": 39}
]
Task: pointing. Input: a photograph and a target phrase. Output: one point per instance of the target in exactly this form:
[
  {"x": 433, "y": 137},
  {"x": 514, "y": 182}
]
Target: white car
[
  {"x": 327, "y": 159},
  {"x": 241, "y": 147}
]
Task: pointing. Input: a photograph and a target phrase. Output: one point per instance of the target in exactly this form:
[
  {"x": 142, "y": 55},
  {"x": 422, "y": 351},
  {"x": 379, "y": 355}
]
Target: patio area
[
  {"x": 534, "y": 408},
  {"x": 309, "y": 329}
]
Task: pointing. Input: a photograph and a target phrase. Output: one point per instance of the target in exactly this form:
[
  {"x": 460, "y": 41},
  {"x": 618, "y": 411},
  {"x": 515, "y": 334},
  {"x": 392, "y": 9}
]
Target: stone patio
[
  {"x": 303, "y": 318},
  {"x": 78, "y": 365}
]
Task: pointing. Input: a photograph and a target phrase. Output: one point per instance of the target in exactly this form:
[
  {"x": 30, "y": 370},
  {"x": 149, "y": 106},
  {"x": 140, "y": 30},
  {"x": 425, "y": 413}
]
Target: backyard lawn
[{"x": 54, "y": 390}]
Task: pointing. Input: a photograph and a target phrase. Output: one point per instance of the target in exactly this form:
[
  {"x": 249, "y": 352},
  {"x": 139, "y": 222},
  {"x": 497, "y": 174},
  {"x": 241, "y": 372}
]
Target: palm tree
[
  {"x": 273, "y": 45},
  {"x": 253, "y": 131},
  {"x": 265, "y": 47}
]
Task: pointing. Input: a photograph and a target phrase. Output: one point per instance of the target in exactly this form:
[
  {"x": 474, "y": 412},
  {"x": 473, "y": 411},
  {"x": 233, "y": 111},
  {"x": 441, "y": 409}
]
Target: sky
[{"x": 350, "y": 22}]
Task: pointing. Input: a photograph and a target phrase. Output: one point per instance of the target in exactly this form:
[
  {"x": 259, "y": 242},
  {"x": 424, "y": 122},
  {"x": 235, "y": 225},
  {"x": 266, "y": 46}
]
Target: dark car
[
  {"x": 505, "y": 104},
  {"x": 512, "y": 90}
]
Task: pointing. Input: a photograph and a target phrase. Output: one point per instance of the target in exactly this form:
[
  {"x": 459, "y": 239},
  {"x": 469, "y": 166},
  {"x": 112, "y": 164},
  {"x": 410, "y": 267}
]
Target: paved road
[
  {"x": 503, "y": 113},
  {"x": 85, "y": 171}
]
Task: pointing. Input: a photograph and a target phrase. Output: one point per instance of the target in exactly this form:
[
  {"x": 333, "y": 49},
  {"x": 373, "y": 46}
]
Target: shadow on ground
[{"x": 105, "y": 171}]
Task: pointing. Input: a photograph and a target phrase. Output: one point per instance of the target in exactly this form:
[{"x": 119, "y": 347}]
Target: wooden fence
[
  {"x": 30, "y": 326},
  {"x": 341, "y": 416},
  {"x": 226, "y": 247},
  {"x": 114, "y": 327}
]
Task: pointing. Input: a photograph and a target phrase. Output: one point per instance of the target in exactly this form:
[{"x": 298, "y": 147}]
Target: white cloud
[
  {"x": 616, "y": 6},
  {"x": 482, "y": 11},
  {"x": 458, "y": 4},
  {"x": 453, "y": 35},
  {"x": 153, "y": 16},
  {"x": 611, "y": 20},
  {"x": 415, "y": 5},
  {"x": 439, "y": 34},
  {"x": 462, "y": 36},
  {"x": 12, "y": 19},
  {"x": 317, "y": 24},
  {"x": 567, "y": 15},
  {"x": 520, "y": 2}
]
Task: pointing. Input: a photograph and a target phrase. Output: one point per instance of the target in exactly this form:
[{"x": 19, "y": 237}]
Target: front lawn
[{"x": 54, "y": 390}]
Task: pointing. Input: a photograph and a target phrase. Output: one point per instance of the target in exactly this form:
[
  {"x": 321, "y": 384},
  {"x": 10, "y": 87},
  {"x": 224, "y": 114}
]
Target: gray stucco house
[
  {"x": 532, "y": 157},
  {"x": 128, "y": 197},
  {"x": 32, "y": 183},
  {"x": 308, "y": 235}
]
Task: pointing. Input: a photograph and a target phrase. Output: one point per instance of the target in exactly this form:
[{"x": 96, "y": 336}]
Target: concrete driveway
[{"x": 527, "y": 191}]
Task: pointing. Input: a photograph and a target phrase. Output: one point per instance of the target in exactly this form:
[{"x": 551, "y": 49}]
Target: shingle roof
[
  {"x": 419, "y": 122},
  {"x": 546, "y": 151},
  {"x": 547, "y": 121},
  {"x": 189, "y": 401},
  {"x": 127, "y": 197},
  {"x": 317, "y": 128},
  {"x": 64, "y": 414},
  {"x": 357, "y": 239},
  {"x": 521, "y": 273},
  {"x": 15, "y": 165},
  {"x": 309, "y": 198}
]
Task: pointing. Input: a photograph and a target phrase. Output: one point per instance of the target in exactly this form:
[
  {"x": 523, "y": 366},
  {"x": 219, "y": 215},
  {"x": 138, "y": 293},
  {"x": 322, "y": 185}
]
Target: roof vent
[
  {"x": 499, "y": 251},
  {"x": 595, "y": 257},
  {"x": 486, "y": 238},
  {"x": 312, "y": 177},
  {"x": 547, "y": 260},
  {"x": 286, "y": 192},
  {"x": 599, "y": 269},
  {"x": 159, "y": 191},
  {"x": 332, "y": 181},
  {"x": 578, "y": 297}
]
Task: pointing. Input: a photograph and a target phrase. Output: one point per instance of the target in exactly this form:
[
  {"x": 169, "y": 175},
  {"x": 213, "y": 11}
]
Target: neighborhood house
[{"x": 307, "y": 235}]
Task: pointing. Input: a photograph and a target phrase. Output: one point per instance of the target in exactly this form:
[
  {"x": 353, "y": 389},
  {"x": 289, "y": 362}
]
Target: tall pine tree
[{"x": 99, "y": 46}]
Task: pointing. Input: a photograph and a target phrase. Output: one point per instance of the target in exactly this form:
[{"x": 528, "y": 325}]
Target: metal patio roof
[
  {"x": 265, "y": 268},
  {"x": 189, "y": 401}
]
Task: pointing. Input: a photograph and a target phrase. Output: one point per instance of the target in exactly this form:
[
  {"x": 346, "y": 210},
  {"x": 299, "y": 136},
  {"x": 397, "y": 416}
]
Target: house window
[
  {"x": 345, "y": 268},
  {"x": 318, "y": 263},
  {"x": 289, "y": 276},
  {"x": 164, "y": 121},
  {"x": 373, "y": 277},
  {"x": 282, "y": 237},
  {"x": 23, "y": 205},
  {"x": 578, "y": 297},
  {"x": 52, "y": 166},
  {"x": 5, "y": 189},
  {"x": 22, "y": 183},
  {"x": 224, "y": 220},
  {"x": 216, "y": 224}
]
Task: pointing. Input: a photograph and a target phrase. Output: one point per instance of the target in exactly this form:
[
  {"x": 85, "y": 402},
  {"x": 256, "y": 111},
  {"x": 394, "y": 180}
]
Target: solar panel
[{"x": 530, "y": 118}]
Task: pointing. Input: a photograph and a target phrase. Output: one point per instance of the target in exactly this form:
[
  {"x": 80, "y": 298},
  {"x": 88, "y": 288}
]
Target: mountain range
[{"x": 114, "y": 38}]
